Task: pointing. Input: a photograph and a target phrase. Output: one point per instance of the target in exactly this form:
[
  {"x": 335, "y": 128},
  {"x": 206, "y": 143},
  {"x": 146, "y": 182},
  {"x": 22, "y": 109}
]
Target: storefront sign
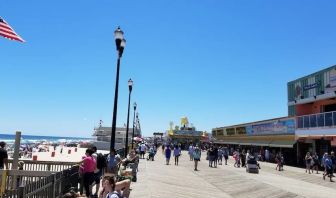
[
  {"x": 311, "y": 86},
  {"x": 271, "y": 128},
  {"x": 187, "y": 132}
]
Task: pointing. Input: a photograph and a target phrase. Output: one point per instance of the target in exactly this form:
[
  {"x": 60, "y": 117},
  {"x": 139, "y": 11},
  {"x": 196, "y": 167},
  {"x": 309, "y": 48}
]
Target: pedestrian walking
[
  {"x": 88, "y": 167},
  {"x": 142, "y": 150},
  {"x": 163, "y": 148},
  {"x": 325, "y": 156},
  {"x": 329, "y": 168},
  {"x": 315, "y": 163},
  {"x": 308, "y": 160},
  {"x": 3, "y": 156},
  {"x": 226, "y": 154},
  {"x": 215, "y": 158},
  {"x": 236, "y": 158},
  {"x": 211, "y": 156},
  {"x": 167, "y": 154},
  {"x": 267, "y": 155},
  {"x": 177, "y": 153},
  {"x": 190, "y": 152},
  {"x": 243, "y": 158},
  {"x": 333, "y": 161},
  {"x": 196, "y": 157},
  {"x": 278, "y": 161},
  {"x": 220, "y": 155}
]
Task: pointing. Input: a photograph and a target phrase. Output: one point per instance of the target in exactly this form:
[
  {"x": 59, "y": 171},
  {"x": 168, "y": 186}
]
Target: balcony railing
[{"x": 327, "y": 119}]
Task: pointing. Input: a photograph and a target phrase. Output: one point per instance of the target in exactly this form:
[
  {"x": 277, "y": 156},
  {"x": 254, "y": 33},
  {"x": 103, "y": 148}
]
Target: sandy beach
[{"x": 68, "y": 154}]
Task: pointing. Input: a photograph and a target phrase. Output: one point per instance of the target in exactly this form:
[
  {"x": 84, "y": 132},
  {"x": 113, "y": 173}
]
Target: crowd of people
[
  {"x": 216, "y": 154},
  {"x": 327, "y": 162},
  {"x": 96, "y": 167}
]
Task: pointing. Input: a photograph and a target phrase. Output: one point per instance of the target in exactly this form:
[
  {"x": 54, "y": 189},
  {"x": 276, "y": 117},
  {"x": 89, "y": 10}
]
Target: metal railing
[{"x": 327, "y": 119}]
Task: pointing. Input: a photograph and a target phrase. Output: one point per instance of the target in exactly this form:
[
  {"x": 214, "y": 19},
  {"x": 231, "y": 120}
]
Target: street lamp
[
  {"x": 130, "y": 85},
  {"x": 120, "y": 44},
  {"x": 134, "y": 106}
]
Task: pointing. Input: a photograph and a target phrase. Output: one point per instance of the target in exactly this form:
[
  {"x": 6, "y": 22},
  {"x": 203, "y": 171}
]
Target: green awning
[
  {"x": 236, "y": 142},
  {"x": 282, "y": 144},
  {"x": 270, "y": 143},
  {"x": 254, "y": 142}
]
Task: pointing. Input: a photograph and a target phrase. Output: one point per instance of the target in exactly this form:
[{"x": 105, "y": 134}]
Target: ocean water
[{"x": 26, "y": 139}]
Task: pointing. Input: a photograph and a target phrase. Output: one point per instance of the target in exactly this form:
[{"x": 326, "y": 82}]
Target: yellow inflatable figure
[{"x": 184, "y": 122}]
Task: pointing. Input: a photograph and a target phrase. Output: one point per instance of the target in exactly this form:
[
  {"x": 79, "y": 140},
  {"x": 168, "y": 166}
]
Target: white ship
[{"x": 103, "y": 136}]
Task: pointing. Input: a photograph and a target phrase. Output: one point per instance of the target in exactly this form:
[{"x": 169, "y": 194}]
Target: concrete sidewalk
[{"x": 155, "y": 179}]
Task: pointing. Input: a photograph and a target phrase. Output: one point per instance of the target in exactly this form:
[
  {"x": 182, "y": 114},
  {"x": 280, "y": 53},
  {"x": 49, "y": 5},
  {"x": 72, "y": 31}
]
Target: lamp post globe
[
  {"x": 130, "y": 86},
  {"x": 120, "y": 45}
]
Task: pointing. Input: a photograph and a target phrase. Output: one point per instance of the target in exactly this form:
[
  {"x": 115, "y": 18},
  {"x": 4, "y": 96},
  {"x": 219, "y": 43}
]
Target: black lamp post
[
  {"x": 120, "y": 44},
  {"x": 134, "y": 106},
  {"x": 130, "y": 85}
]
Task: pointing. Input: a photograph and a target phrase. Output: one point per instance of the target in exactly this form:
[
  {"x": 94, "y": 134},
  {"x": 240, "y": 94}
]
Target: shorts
[
  {"x": 329, "y": 171},
  {"x": 88, "y": 178},
  {"x": 212, "y": 158},
  {"x": 226, "y": 157},
  {"x": 142, "y": 152},
  {"x": 98, "y": 176}
]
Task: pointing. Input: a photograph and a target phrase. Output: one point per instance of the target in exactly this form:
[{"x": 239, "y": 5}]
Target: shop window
[
  {"x": 328, "y": 119},
  {"x": 320, "y": 120},
  {"x": 312, "y": 120},
  {"x": 300, "y": 122},
  {"x": 241, "y": 130},
  {"x": 306, "y": 122},
  {"x": 230, "y": 131}
]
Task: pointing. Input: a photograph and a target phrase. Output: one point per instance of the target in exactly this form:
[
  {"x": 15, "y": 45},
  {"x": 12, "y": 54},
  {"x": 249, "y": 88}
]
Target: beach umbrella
[{"x": 137, "y": 139}]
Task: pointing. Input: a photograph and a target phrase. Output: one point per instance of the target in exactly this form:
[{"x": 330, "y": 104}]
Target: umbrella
[{"x": 137, "y": 139}]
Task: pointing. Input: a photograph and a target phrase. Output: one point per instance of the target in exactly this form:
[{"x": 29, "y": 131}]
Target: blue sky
[{"x": 217, "y": 62}]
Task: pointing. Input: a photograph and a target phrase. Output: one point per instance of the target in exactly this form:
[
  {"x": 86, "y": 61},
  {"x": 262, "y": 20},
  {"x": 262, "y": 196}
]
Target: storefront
[
  {"x": 312, "y": 99},
  {"x": 186, "y": 137},
  {"x": 276, "y": 135}
]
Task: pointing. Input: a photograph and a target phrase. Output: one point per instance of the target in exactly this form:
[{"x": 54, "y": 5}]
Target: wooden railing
[
  {"x": 31, "y": 165},
  {"x": 31, "y": 184}
]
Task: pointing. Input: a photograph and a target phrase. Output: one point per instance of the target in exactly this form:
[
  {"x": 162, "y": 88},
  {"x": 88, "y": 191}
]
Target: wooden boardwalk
[{"x": 155, "y": 179}]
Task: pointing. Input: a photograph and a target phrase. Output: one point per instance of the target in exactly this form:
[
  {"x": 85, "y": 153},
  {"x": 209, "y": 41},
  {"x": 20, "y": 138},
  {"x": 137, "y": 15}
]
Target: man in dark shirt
[{"x": 3, "y": 156}]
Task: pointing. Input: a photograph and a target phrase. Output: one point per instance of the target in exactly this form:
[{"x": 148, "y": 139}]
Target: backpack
[{"x": 101, "y": 161}]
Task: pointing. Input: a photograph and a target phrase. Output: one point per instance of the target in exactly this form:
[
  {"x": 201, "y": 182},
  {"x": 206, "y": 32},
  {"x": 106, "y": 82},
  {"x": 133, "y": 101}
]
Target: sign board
[
  {"x": 272, "y": 128},
  {"x": 188, "y": 133}
]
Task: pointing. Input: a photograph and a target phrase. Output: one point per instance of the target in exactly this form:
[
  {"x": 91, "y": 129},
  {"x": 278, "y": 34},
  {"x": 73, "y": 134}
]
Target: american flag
[{"x": 8, "y": 32}]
